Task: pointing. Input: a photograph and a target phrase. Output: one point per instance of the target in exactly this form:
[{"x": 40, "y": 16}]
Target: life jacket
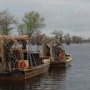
[
  {"x": 22, "y": 65},
  {"x": 61, "y": 57}
]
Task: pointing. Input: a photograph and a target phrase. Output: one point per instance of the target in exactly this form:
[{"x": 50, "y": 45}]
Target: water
[{"x": 76, "y": 77}]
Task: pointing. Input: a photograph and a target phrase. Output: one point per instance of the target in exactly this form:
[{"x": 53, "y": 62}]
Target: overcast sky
[{"x": 71, "y": 16}]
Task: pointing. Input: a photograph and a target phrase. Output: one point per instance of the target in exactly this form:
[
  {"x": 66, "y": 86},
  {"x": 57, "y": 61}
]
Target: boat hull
[
  {"x": 61, "y": 64},
  {"x": 22, "y": 75}
]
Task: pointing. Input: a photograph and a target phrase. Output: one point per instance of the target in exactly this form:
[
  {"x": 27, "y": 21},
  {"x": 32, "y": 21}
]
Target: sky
[{"x": 71, "y": 16}]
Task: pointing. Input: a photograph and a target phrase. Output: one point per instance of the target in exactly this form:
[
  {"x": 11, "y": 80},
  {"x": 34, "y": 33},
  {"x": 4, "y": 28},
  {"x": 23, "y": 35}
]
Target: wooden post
[
  {"x": 51, "y": 51},
  {"x": 28, "y": 55},
  {"x": 43, "y": 49},
  {"x": 2, "y": 54}
]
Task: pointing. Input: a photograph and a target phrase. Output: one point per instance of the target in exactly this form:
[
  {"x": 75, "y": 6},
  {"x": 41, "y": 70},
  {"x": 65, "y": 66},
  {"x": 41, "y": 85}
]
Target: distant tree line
[
  {"x": 67, "y": 38},
  {"x": 30, "y": 25}
]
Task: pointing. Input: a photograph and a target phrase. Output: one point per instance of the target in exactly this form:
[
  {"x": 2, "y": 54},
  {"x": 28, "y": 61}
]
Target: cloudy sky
[{"x": 71, "y": 16}]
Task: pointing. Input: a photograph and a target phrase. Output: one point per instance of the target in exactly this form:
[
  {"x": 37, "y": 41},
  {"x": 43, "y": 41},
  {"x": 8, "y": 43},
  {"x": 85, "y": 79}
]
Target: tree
[
  {"x": 77, "y": 39},
  {"x": 31, "y": 22},
  {"x": 21, "y": 29},
  {"x": 58, "y": 35},
  {"x": 67, "y": 38},
  {"x": 37, "y": 37},
  {"x": 6, "y": 22}
]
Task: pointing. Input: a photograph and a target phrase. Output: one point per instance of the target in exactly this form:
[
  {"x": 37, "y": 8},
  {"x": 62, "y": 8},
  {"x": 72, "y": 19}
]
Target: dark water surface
[{"x": 76, "y": 77}]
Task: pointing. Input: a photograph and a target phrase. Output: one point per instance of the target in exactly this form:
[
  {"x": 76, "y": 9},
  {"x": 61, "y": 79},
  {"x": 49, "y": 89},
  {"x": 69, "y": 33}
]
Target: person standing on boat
[{"x": 61, "y": 55}]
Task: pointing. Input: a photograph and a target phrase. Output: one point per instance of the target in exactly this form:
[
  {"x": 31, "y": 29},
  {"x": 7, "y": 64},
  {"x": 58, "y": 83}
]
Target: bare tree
[
  {"x": 58, "y": 35},
  {"x": 67, "y": 38},
  {"x": 6, "y": 22},
  {"x": 77, "y": 39},
  {"x": 37, "y": 37}
]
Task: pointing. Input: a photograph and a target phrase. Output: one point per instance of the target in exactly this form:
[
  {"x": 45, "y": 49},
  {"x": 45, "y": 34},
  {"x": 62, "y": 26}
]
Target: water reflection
[
  {"x": 53, "y": 80},
  {"x": 57, "y": 77},
  {"x": 29, "y": 84},
  {"x": 12, "y": 86}
]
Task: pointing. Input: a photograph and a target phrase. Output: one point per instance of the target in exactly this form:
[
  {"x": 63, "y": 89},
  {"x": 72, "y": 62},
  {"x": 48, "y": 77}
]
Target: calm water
[{"x": 76, "y": 77}]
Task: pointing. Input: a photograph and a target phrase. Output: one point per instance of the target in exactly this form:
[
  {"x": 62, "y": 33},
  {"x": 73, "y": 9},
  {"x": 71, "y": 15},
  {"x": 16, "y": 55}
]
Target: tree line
[{"x": 30, "y": 25}]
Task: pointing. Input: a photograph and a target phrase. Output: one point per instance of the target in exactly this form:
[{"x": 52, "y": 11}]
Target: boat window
[{"x": 22, "y": 44}]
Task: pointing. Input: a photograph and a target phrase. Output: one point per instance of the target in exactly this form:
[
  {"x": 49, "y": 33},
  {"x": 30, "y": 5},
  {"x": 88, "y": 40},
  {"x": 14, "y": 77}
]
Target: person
[{"x": 61, "y": 55}]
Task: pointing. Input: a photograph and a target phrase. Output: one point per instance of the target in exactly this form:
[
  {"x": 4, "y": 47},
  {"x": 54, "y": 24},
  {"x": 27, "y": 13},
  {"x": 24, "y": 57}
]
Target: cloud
[{"x": 70, "y": 15}]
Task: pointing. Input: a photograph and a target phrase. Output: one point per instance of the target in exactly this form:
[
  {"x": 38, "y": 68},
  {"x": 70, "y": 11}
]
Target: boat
[
  {"x": 58, "y": 57},
  {"x": 61, "y": 64},
  {"x": 17, "y": 61}
]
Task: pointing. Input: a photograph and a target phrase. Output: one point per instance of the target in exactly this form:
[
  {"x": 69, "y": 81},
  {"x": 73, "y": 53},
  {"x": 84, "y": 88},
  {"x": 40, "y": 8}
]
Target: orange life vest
[
  {"x": 22, "y": 65},
  {"x": 61, "y": 57}
]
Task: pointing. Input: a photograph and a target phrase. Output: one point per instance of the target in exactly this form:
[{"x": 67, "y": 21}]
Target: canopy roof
[
  {"x": 51, "y": 40},
  {"x": 14, "y": 37}
]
